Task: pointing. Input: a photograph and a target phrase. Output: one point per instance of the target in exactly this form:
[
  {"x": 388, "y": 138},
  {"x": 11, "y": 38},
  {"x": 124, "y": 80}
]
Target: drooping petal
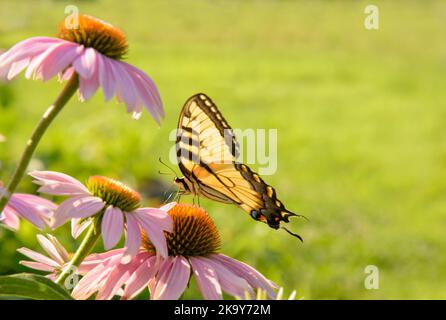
[
  {"x": 59, "y": 59},
  {"x": 139, "y": 279},
  {"x": 96, "y": 259},
  {"x": 148, "y": 90},
  {"x": 154, "y": 232},
  {"x": 86, "y": 64},
  {"x": 18, "y": 67},
  {"x": 38, "y": 63},
  {"x": 86, "y": 207},
  {"x": 254, "y": 278},
  {"x": 106, "y": 77},
  {"x": 173, "y": 280},
  {"x": 91, "y": 282},
  {"x": 133, "y": 238},
  {"x": 125, "y": 88},
  {"x": 23, "y": 52},
  {"x": 35, "y": 214},
  {"x": 112, "y": 226},
  {"x": 65, "y": 211},
  {"x": 10, "y": 218},
  {"x": 145, "y": 96},
  {"x": 66, "y": 74},
  {"x": 44, "y": 205},
  {"x": 156, "y": 217},
  {"x": 119, "y": 274},
  {"x": 57, "y": 183},
  {"x": 207, "y": 279},
  {"x": 229, "y": 281},
  {"x": 88, "y": 87}
]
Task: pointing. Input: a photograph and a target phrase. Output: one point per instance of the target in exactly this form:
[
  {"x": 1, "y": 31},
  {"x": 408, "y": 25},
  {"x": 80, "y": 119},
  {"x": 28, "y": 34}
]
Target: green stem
[
  {"x": 92, "y": 236},
  {"x": 37, "y": 134}
]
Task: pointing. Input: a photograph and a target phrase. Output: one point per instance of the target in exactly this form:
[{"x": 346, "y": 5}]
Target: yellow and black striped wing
[{"x": 207, "y": 152}]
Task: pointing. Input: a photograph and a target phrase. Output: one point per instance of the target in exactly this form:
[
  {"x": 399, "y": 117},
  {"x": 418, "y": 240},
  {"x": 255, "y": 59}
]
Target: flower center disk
[
  {"x": 194, "y": 233},
  {"x": 114, "y": 193},
  {"x": 97, "y": 34}
]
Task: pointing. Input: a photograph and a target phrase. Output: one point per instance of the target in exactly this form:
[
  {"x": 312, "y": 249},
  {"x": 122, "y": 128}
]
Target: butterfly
[{"x": 207, "y": 152}]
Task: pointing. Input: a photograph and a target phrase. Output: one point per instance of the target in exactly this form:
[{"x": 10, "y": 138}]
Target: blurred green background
[{"x": 360, "y": 118}]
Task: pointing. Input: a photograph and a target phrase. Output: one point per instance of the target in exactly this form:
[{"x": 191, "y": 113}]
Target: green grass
[{"x": 360, "y": 118}]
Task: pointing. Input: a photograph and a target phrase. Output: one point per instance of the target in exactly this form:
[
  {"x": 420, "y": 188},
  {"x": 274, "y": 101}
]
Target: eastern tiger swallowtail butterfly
[{"x": 207, "y": 152}]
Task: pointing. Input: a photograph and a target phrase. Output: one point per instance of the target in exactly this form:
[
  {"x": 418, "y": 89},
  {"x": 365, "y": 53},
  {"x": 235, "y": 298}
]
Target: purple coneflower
[
  {"x": 94, "y": 51},
  {"x": 117, "y": 204},
  {"x": 193, "y": 250},
  {"x": 30, "y": 207}
]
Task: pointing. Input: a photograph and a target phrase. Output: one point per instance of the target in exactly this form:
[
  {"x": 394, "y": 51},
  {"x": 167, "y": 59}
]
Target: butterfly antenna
[
  {"x": 163, "y": 163},
  {"x": 293, "y": 234},
  {"x": 178, "y": 196}
]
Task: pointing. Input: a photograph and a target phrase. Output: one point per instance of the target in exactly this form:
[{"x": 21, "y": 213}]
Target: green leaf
[{"x": 31, "y": 286}]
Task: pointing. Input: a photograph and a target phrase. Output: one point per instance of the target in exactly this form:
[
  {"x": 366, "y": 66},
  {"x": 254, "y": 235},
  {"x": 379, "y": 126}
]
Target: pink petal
[
  {"x": 86, "y": 64},
  {"x": 139, "y": 279},
  {"x": 157, "y": 217},
  {"x": 112, "y": 225},
  {"x": 24, "y": 51},
  {"x": 17, "y": 67},
  {"x": 96, "y": 259},
  {"x": 207, "y": 279},
  {"x": 133, "y": 238},
  {"x": 10, "y": 218},
  {"x": 38, "y": 257},
  {"x": 125, "y": 88},
  {"x": 86, "y": 207},
  {"x": 37, "y": 266},
  {"x": 106, "y": 77},
  {"x": 149, "y": 91},
  {"x": 90, "y": 283},
  {"x": 39, "y": 202},
  {"x": 50, "y": 249},
  {"x": 154, "y": 232},
  {"x": 65, "y": 211},
  {"x": 59, "y": 59},
  {"x": 173, "y": 281},
  {"x": 34, "y": 69},
  {"x": 145, "y": 96},
  {"x": 88, "y": 87},
  {"x": 254, "y": 278},
  {"x": 229, "y": 281},
  {"x": 118, "y": 276},
  {"x": 58, "y": 183},
  {"x": 34, "y": 214},
  {"x": 66, "y": 74}
]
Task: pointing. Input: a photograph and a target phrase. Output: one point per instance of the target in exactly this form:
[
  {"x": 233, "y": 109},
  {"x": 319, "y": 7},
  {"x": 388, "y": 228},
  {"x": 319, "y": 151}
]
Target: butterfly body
[{"x": 207, "y": 152}]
